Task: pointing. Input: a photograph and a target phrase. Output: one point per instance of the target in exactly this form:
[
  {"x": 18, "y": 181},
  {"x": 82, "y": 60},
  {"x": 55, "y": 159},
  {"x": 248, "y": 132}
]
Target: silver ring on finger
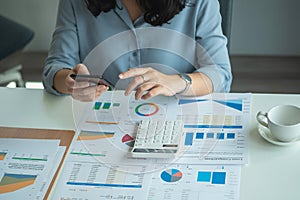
[{"x": 143, "y": 78}]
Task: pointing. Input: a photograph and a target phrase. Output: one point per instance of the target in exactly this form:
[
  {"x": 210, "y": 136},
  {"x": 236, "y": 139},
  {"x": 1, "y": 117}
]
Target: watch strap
[{"x": 188, "y": 82}]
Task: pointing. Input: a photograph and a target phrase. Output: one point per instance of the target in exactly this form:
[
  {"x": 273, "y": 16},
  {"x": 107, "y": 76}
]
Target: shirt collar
[{"x": 121, "y": 11}]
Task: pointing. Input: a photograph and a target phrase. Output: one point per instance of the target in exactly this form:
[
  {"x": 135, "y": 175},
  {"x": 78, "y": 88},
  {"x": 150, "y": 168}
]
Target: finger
[
  {"x": 87, "y": 98},
  {"x": 142, "y": 89},
  {"x": 80, "y": 69},
  {"x": 81, "y": 92},
  {"x": 134, "y": 72},
  {"x": 155, "y": 91},
  {"x": 79, "y": 84},
  {"x": 97, "y": 95},
  {"x": 73, "y": 84},
  {"x": 136, "y": 81},
  {"x": 88, "y": 94},
  {"x": 69, "y": 82}
]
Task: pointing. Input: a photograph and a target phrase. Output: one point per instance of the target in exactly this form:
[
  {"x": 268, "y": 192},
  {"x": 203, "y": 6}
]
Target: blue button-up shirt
[{"x": 111, "y": 43}]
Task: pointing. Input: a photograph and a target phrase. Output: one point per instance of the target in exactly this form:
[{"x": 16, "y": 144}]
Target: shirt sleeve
[
  {"x": 64, "y": 49},
  {"x": 213, "y": 57}
]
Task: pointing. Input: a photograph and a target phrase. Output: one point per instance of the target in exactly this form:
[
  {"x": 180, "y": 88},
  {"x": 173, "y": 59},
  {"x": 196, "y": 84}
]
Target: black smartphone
[{"x": 94, "y": 79}]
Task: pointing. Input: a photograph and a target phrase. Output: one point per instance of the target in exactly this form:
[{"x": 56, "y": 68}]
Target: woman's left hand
[{"x": 149, "y": 82}]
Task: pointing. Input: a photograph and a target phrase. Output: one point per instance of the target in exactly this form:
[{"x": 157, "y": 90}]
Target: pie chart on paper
[
  {"x": 171, "y": 175},
  {"x": 128, "y": 140}
]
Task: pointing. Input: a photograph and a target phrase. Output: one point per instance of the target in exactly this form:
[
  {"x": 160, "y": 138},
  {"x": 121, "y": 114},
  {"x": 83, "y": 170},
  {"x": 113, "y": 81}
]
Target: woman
[{"x": 82, "y": 25}]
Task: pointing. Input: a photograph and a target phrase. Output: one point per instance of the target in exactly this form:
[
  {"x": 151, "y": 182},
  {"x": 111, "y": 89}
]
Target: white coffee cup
[{"x": 283, "y": 121}]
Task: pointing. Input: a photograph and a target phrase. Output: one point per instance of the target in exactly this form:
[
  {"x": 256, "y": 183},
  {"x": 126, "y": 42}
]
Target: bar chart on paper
[
  {"x": 105, "y": 105},
  {"x": 219, "y": 134},
  {"x": 236, "y": 104},
  {"x": 211, "y": 178},
  {"x": 103, "y": 112},
  {"x": 193, "y": 182}
]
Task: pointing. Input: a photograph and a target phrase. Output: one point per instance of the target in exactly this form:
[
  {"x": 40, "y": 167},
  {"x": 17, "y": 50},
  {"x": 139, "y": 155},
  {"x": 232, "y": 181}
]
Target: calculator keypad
[{"x": 157, "y": 138}]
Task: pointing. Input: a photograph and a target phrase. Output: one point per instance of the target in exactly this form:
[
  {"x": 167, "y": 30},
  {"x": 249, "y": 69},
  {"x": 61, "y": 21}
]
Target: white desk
[{"x": 272, "y": 173}]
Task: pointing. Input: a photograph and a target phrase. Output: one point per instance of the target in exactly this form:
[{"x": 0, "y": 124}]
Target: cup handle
[{"x": 260, "y": 118}]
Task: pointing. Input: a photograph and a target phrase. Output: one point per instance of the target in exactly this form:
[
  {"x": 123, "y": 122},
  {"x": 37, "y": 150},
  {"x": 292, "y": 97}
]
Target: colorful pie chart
[
  {"x": 128, "y": 140},
  {"x": 146, "y": 109},
  {"x": 171, "y": 175}
]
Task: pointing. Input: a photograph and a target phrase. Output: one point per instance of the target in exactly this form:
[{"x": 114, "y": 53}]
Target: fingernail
[
  {"x": 102, "y": 87},
  {"x": 121, "y": 76}
]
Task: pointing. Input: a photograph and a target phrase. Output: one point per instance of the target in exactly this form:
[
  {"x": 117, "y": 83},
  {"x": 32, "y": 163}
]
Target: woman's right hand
[{"x": 81, "y": 91}]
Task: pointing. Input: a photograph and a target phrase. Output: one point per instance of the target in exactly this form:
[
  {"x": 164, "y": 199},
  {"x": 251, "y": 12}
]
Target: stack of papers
[
  {"x": 27, "y": 167},
  {"x": 213, "y": 148}
]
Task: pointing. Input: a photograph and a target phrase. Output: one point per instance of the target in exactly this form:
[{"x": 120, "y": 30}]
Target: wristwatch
[{"x": 187, "y": 80}]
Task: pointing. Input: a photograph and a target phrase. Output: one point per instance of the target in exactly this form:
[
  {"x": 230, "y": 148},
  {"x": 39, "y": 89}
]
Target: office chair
[
  {"x": 226, "y": 13},
  {"x": 13, "y": 38}
]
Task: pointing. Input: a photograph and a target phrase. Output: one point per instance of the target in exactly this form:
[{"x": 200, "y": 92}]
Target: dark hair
[{"x": 157, "y": 12}]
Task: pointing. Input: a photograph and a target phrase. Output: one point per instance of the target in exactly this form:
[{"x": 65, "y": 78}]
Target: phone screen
[{"x": 94, "y": 79}]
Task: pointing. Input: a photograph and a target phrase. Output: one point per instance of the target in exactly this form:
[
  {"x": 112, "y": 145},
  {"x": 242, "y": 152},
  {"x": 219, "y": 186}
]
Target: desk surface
[{"x": 272, "y": 173}]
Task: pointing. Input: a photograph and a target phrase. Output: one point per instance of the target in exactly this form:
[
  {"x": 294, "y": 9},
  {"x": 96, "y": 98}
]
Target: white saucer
[{"x": 266, "y": 134}]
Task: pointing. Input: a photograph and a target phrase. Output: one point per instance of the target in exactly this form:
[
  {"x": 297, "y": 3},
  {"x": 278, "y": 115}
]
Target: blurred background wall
[
  {"x": 259, "y": 27},
  {"x": 264, "y": 50}
]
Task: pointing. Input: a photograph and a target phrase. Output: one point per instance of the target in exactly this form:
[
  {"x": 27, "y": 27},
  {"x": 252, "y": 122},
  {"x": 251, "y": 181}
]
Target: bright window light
[
  {"x": 30, "y": 85},
  {"x": 34, "y": 85},
  {"x": 12, "y": 85}
]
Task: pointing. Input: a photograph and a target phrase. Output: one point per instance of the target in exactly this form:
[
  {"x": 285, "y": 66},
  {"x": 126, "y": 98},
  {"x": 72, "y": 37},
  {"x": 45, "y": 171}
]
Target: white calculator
[{"x": 157, "y": 139}]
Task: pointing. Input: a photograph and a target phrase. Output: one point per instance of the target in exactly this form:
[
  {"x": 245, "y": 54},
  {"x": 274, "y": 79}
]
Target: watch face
[{"x": 187, "y": 78}]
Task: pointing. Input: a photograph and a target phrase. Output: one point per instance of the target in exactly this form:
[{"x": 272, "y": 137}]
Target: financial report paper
[
  {"x": 27, "y": 167},
  {"x": 214, "y": 145}
]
